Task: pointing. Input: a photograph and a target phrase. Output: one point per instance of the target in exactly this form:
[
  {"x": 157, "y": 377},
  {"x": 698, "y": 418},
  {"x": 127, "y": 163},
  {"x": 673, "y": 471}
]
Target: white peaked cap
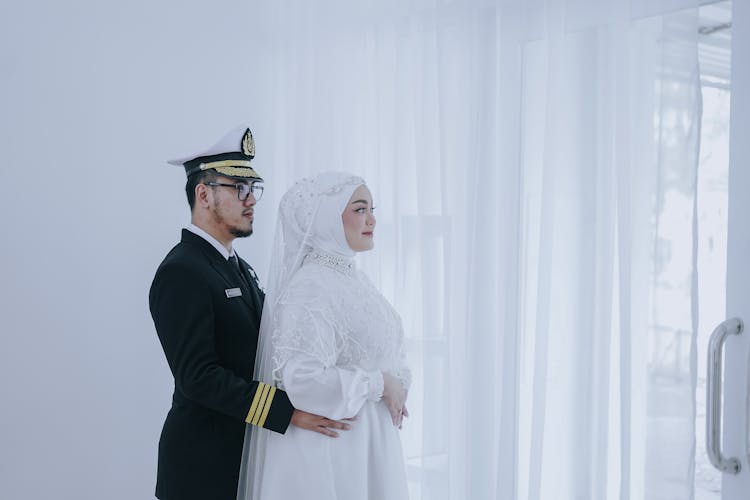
[{"x": 230, "y": 156}]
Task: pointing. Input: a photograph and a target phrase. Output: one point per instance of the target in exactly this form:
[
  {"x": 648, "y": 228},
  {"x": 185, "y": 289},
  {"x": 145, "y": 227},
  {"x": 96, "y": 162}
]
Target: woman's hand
[
  {"x": 316, "y": 423},
  {"x": 404, "y": 413},
  {"x": 394, "y": 397}
]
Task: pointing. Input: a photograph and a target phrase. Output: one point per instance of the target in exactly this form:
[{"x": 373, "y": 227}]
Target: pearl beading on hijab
[{"x": 335, "y": 262}]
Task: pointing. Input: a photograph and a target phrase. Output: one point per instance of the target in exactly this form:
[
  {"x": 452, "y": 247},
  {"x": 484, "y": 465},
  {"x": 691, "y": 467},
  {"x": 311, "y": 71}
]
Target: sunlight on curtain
[{"x": 534, "y": 168}]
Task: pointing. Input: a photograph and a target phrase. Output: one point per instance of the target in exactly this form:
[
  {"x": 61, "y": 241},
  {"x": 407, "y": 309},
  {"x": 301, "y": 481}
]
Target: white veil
[{"x": 304, "y": 223}]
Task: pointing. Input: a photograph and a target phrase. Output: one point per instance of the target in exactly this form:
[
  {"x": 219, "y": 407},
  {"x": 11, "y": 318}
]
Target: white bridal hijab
[{"x": 309, "y": 220}]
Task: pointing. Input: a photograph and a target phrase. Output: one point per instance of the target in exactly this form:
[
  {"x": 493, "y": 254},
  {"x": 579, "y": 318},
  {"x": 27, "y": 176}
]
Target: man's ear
[{"x": 201, "y": 195}]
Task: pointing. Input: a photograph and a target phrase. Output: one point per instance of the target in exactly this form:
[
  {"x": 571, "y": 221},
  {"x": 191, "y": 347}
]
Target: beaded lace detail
[
  {"x": 343, "y": 265},
  {"x": 341, "y": 320}
]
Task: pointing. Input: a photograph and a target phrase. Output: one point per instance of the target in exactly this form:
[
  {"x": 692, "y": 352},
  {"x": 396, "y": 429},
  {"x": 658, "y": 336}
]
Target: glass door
[
  {"x": 728, "y": 355},
  {"x": 734, "y": 434},
  {"x": 714, "y": 49}
]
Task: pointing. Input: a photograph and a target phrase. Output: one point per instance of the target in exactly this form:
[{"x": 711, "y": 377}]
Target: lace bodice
[{"x": 333, "y": 313}]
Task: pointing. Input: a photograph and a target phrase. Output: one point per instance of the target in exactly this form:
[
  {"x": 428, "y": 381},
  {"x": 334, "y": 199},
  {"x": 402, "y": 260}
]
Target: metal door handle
[{"x": 733, "y": 326}]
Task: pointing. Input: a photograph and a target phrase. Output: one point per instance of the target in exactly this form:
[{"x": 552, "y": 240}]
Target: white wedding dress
[
  {"x": 337, "y": 333},
  {"x": 332, "y": 335}
]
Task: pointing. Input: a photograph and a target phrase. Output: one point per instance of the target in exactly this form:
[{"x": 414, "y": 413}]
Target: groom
[{"x": 206, "y": 305}]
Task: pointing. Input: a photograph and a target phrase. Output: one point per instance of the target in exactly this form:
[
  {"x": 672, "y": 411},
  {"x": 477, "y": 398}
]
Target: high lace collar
[{"x": 338, "y": 263}]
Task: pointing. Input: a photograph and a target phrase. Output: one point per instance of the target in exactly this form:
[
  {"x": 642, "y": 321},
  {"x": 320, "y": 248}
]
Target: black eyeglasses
[{"x": 243, "y": 189}]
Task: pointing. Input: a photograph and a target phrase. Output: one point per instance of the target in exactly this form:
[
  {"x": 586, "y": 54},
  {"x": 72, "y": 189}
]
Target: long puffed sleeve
[{"x": 306, "y": 350}]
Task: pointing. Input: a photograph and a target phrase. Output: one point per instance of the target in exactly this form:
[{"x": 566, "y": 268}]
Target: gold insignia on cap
[{"x": 248, "y": 144}]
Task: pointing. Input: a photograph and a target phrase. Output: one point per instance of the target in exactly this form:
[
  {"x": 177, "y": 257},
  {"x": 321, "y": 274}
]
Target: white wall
[{"x": 95, "y": 96}]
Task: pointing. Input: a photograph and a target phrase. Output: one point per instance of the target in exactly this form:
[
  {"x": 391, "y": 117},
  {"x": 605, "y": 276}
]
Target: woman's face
[{"x": 359, "y": 221}]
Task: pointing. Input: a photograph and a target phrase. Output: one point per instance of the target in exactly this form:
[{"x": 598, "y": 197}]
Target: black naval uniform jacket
[{"x": 207, "y": 318}]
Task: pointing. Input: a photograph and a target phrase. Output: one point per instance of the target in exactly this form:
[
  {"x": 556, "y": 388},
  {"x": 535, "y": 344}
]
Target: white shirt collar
[{"x": 214, "y": 242}]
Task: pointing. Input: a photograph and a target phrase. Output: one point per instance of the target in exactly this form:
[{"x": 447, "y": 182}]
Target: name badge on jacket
[{"x": 233, "y": 292}]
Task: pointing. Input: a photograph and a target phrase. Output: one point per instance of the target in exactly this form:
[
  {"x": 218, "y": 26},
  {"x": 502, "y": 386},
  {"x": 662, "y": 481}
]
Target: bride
[{"x": 333, "y": 342}]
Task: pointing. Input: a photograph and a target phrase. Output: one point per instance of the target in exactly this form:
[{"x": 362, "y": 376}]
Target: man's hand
[
  {"x": 394, "y": 397},
  {"x": 316, "y": 423}
]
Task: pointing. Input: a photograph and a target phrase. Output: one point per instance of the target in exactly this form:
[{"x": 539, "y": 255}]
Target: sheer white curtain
[{"x": 533, "y": 164}]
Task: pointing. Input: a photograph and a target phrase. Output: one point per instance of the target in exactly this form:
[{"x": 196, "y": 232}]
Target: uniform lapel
[
  {"x": 251, "y": 283},
  {"x": 223, "y": 267}
]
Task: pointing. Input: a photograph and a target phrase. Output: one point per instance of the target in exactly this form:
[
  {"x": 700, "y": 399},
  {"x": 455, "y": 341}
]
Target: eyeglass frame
[{"x": 251, "y": 188}]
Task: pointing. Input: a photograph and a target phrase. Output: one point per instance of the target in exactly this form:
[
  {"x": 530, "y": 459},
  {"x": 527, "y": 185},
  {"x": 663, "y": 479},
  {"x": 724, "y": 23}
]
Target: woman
[{"x": 335, "y": 345}]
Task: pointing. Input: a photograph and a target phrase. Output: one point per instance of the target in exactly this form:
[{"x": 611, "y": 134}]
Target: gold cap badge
[{"x": 248, "y": 144}]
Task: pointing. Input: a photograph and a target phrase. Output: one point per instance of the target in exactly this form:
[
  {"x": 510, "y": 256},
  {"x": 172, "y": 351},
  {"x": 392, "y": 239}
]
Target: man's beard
[
  {"x": 234, "y": 230},
  {"x": 241, "y": 233}
]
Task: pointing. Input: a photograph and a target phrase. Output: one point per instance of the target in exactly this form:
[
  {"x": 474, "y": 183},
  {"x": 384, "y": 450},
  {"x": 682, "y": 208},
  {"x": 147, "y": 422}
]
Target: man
[{"x": 206, "y": 305}]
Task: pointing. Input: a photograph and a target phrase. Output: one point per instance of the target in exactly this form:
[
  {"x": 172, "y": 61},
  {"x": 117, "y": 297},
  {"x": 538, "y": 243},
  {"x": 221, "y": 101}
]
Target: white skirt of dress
[{"x": 363, "y": 463}]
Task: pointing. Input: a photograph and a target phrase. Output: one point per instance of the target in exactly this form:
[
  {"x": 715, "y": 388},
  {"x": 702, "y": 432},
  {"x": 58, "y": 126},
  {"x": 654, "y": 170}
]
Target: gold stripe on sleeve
[
  {"x": 256, "y": 400},
  {"x": 267, "y": 407},
  {"x": 262, "y": 401}
]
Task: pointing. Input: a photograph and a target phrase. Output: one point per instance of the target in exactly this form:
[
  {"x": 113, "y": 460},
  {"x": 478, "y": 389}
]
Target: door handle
[{"x": 733, "y": 326}]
